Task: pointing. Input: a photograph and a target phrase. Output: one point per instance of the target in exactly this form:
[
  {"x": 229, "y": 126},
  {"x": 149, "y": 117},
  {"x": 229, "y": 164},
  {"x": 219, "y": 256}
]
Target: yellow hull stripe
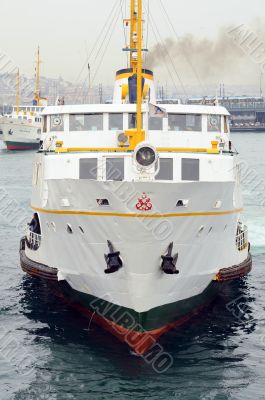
[
  {"x": 126, "y": 149},
  {"x": 142, "y": 215}
]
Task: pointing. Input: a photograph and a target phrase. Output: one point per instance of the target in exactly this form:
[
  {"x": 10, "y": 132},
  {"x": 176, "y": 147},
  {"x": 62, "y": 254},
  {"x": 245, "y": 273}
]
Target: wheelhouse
[{"x": 187, "y": 140}]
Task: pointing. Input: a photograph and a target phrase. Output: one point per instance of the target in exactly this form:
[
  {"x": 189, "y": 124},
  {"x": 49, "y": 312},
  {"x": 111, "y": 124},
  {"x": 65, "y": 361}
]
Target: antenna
[
  {"x": 18, "y": 91},
  {"x": 37, "y": 88},
  {"x": 89, "y": 83},
  {"x": 100, "y": 92}
]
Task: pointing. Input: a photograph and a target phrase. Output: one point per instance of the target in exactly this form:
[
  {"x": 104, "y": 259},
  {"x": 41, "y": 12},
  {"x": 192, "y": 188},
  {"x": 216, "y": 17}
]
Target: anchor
[
  {"x": 169, "y": 262},
  {"x": 113, "y": 260}
]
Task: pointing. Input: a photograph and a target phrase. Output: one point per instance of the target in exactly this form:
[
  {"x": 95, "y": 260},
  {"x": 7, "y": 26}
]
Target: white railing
[
  {"x": 242, "y": 239},
  {"x": 33, "y": 240}
]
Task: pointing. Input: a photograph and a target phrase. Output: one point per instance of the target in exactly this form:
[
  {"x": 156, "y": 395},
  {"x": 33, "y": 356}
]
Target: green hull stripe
[
  {"x": 149, "y": 320},
  {"x": 23, "y": 144}
]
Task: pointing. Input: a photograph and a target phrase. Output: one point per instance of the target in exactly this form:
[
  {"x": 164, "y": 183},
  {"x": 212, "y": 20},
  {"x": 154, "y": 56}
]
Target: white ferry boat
[
  {"x": 21, "y": 130},
  {"x": 137, "y": 209}
]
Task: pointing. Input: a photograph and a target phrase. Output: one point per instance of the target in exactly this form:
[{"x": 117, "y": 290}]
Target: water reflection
[{"x": 81, "y": 363}]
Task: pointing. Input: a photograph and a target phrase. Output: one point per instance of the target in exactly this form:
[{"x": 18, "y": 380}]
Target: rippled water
[{"x": 47, "y": 351}]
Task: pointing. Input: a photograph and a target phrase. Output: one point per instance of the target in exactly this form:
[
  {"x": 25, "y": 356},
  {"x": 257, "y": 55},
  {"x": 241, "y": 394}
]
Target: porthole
[
  {"x": 69, "y": 229},
  {"x": 218, "y": 204},
  {"x": 103, "y": 202},
  {"x": 182, "y": 203},
  {"x": 81, "y": 229},
  {"x": 200, "y": 230}
]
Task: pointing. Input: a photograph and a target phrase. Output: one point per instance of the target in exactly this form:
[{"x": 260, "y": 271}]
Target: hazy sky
[{"x": 66, "y": 30}]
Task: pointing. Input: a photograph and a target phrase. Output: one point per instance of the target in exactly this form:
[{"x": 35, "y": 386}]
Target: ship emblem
[{"x": 144, "y": 203}]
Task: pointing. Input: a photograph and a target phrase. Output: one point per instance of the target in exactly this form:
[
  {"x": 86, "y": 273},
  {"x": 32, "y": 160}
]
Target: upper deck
[
  {"x": 98, "y": 126},
  {"x": 31, "y": 114}
]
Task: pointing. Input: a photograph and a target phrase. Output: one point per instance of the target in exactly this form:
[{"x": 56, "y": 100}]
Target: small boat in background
[{"x": 21, "y": 130}]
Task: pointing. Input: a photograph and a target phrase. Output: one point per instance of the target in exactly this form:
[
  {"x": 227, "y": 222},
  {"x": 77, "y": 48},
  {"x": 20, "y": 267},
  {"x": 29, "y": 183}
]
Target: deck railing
[
  {"x": 251, "y": 106},
  {"x": 242, "y": 239},
  {"x": 33, "y": 240}
]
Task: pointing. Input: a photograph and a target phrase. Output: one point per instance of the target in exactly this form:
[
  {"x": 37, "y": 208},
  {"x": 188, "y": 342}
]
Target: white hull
[
  {"x": 204, "y": 237},
  {"x": 19, "y": 133}
]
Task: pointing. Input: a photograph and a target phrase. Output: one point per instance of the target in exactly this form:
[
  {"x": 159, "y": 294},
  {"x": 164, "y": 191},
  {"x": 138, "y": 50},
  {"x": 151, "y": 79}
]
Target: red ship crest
[{"x": 144, "y": 203}]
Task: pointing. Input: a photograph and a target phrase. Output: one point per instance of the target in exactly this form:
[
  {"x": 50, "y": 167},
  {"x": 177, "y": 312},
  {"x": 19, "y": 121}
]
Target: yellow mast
[
  {"x": 133, "y": 33},
  {"x": 140, "y": 134},
  {"x": 18, "y": 92},
  {"x": 37, "y": 88}
]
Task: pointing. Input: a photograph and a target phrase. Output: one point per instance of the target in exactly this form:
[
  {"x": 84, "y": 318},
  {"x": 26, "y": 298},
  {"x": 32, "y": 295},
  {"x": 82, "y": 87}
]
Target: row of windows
[
  {"x": 200, "y": 230},
  {"x": 94, "y": 122},
  {"x": 36, "y": 119},
  {"x": 190, "y": 169}
]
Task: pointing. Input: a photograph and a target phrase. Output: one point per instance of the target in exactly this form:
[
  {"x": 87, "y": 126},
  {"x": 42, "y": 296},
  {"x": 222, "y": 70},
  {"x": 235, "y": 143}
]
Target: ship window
[
  {"x": 182, "y": 203},
  {"x": 88, "y": 168},
  {"x": 155, "y": 124},
  {"x": 190, "y": 169},
  {"x": 166, "y": 170},
  {"x": 44, "y": 127},
  {"x": 86, "y": 122},
  {"x": 185, "y": 122},
  {"x": 115, "y": 122},
  {"x": 57, "y": 124},
  {"x": 114, "y": 169},
  {"x": 133, "y": 120},
  {"x": 214, "y": 123},
  {"x": 69, "y": 228},
  {"x": 226, "y": 124},
  {"x": 103, "y": 202},
  {"x": 200, "y": 230},
  {"x": 218, "y": 204}
]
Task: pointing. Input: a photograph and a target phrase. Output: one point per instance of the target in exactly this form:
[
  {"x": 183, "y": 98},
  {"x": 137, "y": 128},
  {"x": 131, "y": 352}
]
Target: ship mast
[
  {"x": 136, "y": 22},
  {"x": 139, "y": 69},
  {"x": 37, "y": 87},
  {"x": 18, "y": 92},
  {"x": 133, "y": 36}
]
